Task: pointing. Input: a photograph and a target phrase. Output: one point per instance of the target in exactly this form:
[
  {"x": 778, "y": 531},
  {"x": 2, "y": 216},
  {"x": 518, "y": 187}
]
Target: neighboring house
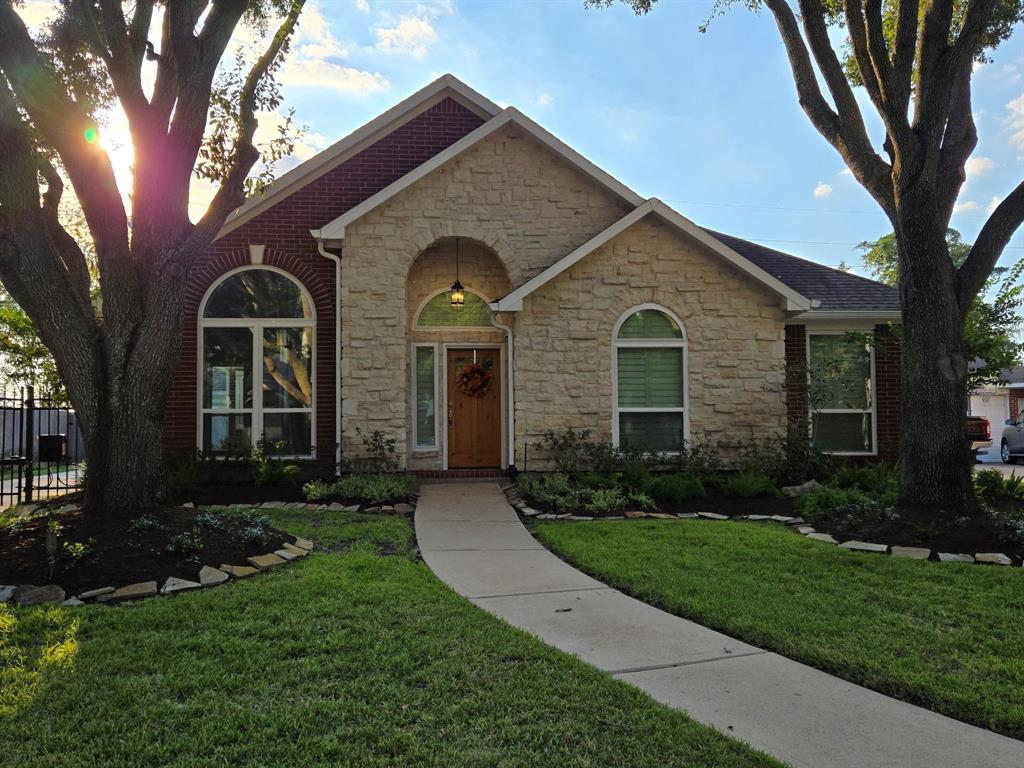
[
  {"x": 997, "y": 403},
  {"x": 585, "y": 306}
]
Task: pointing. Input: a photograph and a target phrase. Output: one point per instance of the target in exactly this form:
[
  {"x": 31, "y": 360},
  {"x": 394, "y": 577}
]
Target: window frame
[
  {"x": 431, "y": 328},
  {"x": 256, "y": 326},
  {"x": 416, "y": 446},
  {"x": 670, "y": 343},
  {"x": 874, "y": 396}
]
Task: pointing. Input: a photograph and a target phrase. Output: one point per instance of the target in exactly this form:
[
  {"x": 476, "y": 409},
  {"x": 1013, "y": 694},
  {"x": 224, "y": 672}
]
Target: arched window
[
  {"x": 438, "y": 312},
  {"x": 649, "y": 406},
  {"x": 256, "y": 325}
]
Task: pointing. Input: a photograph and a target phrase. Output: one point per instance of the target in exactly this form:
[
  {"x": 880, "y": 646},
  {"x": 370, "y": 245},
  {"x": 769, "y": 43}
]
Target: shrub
[
  {"x": 605, "y": 501},
  {"x": 181, "y": 472},
  {"x": 676, "y": 489},
  {"x": 788, "y": 460},
  {"x": 642, "y": 500},
  {"x": 365, "y": 488},
  {"x": 210, "y": 520},
  {"x": 699, "y": 458},
  {"x": 879, "y": 480},
  {"x": 270, "y": 469},
  {"x": 636, "y": 476},
  {"x": 991, "y": 484},
  {"x": 748, "y": 484},
  {"x": 257, "y": 528},
  {"x": 568, "y": 450},
  {"x": 379, "y": 453},
  {"x": 553, "y": 489},
  {"x": 822, "y": 503},
  {"x": 596, "y": 481}
]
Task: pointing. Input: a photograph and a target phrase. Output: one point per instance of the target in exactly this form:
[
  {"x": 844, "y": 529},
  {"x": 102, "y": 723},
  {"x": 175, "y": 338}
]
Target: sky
[{"x": 709, "y": 123}]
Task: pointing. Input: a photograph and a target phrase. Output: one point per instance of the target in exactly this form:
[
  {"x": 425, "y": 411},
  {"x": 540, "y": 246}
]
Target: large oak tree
[
  {"x": 187, "y": 113},
  {"x": 914, "y": 59}
]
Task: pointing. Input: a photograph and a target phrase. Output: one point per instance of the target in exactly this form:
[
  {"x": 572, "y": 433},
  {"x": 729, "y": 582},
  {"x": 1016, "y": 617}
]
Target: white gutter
[
  {"x": 511, "y": 399},
  {"x": 337, "y": 351}
]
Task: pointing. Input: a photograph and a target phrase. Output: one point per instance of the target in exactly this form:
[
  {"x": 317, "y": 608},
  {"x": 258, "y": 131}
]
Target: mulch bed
[
  {"x": 912, "y": 527},
  {"x": 226, "y": 494},
  {"x": 118, "y": 553}
]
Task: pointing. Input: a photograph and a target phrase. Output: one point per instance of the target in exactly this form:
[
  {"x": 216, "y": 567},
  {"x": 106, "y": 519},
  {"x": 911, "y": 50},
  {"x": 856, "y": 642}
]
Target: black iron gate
[{"x": 41, "y": 449}]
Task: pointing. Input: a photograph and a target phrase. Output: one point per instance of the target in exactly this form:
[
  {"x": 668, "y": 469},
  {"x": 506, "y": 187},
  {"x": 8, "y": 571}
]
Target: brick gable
[{"x": 284, "y": 229}]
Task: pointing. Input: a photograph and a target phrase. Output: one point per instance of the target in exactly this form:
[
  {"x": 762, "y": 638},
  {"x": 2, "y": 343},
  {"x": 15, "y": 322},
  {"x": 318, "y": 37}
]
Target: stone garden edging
[{"x": 796, "y": 524}]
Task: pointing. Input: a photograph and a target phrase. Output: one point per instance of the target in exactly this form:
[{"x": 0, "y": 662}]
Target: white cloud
[
  {"x": 411, "y": 35},
  {"x": 1015, "y": 122},
  {"x": 325, "y": 74},
  {"x": 314, "y": 39},
  {"x": 846, "y": 172},
  {"x": 965, "y": 207},
  {"x": 545, "y": 99},
  {"x": 976, "y": 166},
  {"x": 267, "y": 129},
  {"x": 823, "y": 190},
  {"x": 362, "y": 6},
  {"x": 995, "y": 201}
]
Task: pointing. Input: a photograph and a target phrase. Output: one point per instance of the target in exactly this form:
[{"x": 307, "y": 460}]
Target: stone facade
[
  {"x": 734, "y": 329},
  {"x": 508, "y": 193}
]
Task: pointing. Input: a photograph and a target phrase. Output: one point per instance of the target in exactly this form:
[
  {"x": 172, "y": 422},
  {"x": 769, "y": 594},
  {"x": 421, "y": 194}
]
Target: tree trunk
[
  {"x": 934, "y": 457},
  {"x": 124, "y": 464}
]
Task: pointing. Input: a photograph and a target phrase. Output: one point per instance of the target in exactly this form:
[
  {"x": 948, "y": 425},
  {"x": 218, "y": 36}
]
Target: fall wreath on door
[{"x": 474, "y": 379}]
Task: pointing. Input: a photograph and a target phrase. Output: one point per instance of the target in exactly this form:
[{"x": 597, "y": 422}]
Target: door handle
[{"x": 451, "y": 415}]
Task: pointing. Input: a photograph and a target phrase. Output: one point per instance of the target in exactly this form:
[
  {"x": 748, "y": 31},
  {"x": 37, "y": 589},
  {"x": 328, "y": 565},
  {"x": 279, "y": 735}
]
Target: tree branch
[
  {"x": 959, "y": 141},
  {"x": 989, "y": 246},
  {"x": 231, "y": 193},
  {"x": 844, "y": 129},
  {"x": 63, "y": 125}
]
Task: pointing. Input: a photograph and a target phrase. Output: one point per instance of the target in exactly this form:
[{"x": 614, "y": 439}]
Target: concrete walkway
[{"x": 473, "y": 540}]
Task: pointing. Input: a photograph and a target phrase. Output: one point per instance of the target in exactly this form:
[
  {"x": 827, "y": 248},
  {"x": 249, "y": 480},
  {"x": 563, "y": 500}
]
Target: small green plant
[
  {"x": 268, "y": 468},
  {"x": 676, "y": 489},
  {"x": 379, "y": 453},
  {"x": 991, "y": 484},
  {"x": 76, "y": 550},
  {"x": 209, "y": 519},
  {"x": 257, "y": 527},
  {"x": 142, "y": 523},
  {"x": 748, "y": 484},
  {"x": 365, "y": 488},
  {"x": 643, "y": 501},
  {"x": 186, "y": 543},
  {"x": 879, "y": 480},
  {"x": 181, "y": 472},
  {"x": 605, "y": 501},
  {"x": 596, "y": 481},
  {"x": 569, "y": 451}
]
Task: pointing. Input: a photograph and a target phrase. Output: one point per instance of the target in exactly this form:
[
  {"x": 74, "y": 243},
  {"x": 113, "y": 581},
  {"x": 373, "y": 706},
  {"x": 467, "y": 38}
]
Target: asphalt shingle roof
[{"x": 836, "y": 290}]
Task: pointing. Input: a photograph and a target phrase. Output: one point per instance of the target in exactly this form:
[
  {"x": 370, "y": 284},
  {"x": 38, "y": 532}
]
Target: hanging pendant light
[{"x": 457, "y": 293}]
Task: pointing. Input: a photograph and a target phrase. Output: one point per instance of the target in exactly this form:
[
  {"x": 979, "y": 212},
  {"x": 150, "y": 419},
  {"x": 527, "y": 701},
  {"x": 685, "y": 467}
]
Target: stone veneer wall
[
  {"x": 734, "y": 327},
  {"x": 509, "y": 193}
]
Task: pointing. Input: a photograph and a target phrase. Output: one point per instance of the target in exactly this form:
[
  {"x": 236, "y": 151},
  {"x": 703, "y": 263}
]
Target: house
[
  {"x": 997, "y": 403},
  {"x": 582, "y": 305}
]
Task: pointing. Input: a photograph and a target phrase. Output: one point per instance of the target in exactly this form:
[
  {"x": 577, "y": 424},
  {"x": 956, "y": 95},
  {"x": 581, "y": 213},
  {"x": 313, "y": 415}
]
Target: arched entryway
[{"x": 459, "y": 386}]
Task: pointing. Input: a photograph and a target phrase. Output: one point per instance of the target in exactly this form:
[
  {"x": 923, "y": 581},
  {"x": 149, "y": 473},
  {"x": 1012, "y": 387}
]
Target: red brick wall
[
  {"x": 1014, "y": 397},
  {"x": 887, "y": 392},
  {"x": 284, "y": 229},
  {"x": 887, "y": 385},
  {"x": 796, "y": 376}
]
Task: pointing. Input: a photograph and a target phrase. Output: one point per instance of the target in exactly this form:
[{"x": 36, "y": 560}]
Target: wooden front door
[{"x": 474, "y": 416}]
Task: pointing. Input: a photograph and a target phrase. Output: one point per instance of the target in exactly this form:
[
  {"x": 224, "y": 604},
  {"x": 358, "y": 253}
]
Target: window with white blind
[
  {"x": 841, "y": 387},
  {"x": 649, "y": 407}
]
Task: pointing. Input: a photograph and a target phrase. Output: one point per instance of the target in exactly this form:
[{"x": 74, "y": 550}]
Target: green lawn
[
  {"x": 948, "y": 637},
  {"x": 345, "y": 658}
]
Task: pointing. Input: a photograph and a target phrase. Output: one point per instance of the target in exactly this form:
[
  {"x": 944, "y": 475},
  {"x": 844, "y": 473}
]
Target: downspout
[
  {"x": 511, "y": 391},
  {"x": 337, "y": 351}
]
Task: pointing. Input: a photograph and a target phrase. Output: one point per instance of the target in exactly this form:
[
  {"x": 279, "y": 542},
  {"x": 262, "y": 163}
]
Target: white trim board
[
  {"x": 361, "y": 138},
  {"x": 513, "y": 302},
  {"x": 335, "y": 230}
]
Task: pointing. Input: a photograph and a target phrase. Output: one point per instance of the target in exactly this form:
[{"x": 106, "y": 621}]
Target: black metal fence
[{"x": 41, "y": 448}]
